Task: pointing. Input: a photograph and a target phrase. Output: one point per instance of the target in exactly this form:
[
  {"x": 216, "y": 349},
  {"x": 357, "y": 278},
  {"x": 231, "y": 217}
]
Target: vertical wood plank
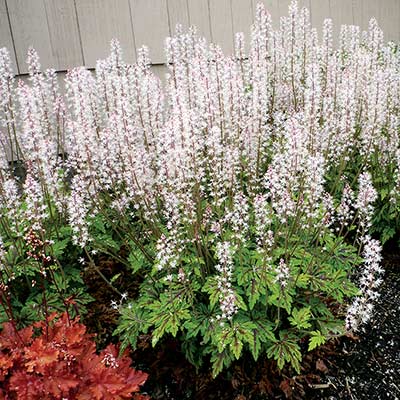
[
  {"x": 150, "y": 26},
  {"x": 221, "y": 24},
  {"x": 64, "y": 34},
  {"x": 199, "y": 16},
  {"x": 305, "y": 3},
  {"x": 389, "y": 19},
  {"x": 242, "y": 17},
  {"x": 358, "y": 7},
  {"x": 342, "y": 14},
  {"x": 100, "y": 21},
  {"x": 178, "y": 13},
  {"x": 54, "y": 29},
  {"x": 283, "y": 7},
  {"x": 6, "y": 39},
  {"x": 29, "y": 28},
  {"x": 371, "y": 8},
  {"x": 320, "y": 11}
]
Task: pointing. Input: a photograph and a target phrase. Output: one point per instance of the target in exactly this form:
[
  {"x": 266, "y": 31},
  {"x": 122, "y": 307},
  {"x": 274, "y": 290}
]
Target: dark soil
[
  {"x": 101, "y": 318},
  {"x": 366, "y": 367},
  {"x": 369, "y": 368}
]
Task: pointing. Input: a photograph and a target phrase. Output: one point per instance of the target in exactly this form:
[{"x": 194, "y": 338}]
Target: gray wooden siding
[
  {"x": 67, "y": 33},
  {"x": 100, "y": 21}
]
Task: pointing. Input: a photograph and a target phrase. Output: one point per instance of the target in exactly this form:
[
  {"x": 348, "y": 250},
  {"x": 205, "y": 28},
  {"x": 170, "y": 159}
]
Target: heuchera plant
[{"x": 57, "y": 359}]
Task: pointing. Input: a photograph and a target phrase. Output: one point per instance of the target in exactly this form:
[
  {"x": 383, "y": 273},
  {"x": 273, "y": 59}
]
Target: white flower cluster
[
  {"x": 36, "y": 210},
  {"x": 78, "y": 211},
  {"x": 166, "y": 255},
  {"x": 282, "y": 273},
  {"x": 3, "y": 253},
  {"x": 227, "y": 297},
  {"x": 345, "y": 211},
  {"x": 262, "y": 221},
  {"x": 361, "y": 309},
  {"x": 238, "y": 218},
  {"x": 365, "y": 199}
]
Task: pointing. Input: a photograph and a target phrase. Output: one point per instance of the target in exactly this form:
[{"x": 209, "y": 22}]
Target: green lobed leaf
[{"x": 316, "y": 339}]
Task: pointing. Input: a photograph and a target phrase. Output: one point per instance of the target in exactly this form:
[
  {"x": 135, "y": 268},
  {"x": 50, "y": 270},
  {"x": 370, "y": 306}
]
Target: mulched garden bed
[
  {"x": 366, "y": 367},
  {"x": 369, "y": 368}
]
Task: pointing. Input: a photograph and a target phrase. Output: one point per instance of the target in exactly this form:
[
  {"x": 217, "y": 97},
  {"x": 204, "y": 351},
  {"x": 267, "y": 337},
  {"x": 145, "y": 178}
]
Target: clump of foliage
[
  {"x": 40, "y": 274},
  {"x": 242, "y": 193},
  {"x": 56, "y": 359},
  {"x": 39, "y": 268}
]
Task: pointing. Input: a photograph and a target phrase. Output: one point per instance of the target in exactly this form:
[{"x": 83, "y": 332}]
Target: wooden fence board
[
  {"x": 64, "y": 33},
  {"x": 178, "y": 13},
  {"x": 99, "y": 22},
  {"x": 29, "y": 28},
  {"x": 370, "y": 8},
  {"x": 67, "y": 33},
  {"x": 150, "y": 26},
  {"x": 221, "y": 24},
  {"x": 389, "y": 19},
  {"x": 342, "y": 14},
  {"x": 6, "y": 39},
  {"x": 242, "y": 18},
  {"x": 341, "y": 11},
  {"x": 358, "y": 6},
  {"x": 199, "y": 16},
  {"x": 320, "y": 11}
]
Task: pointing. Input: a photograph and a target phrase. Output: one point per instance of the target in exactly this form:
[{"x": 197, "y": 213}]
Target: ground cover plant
[{"x": 248, "y": 196}]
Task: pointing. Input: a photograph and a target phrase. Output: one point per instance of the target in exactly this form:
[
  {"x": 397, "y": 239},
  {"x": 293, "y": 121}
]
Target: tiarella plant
[
  {"x": 243, "y": 189},
  {"x": 39, "y": 269}
]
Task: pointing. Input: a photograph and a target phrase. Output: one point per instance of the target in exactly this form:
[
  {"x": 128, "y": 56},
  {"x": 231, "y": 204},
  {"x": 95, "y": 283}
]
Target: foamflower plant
[{"x": 241, "y": 193}]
